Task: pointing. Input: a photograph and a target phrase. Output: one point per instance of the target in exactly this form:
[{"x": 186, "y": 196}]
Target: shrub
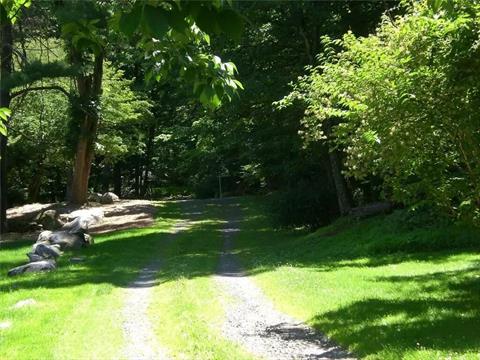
[
  {"x": 406, "y": 102},
  {"x": 307, "y": 203}
]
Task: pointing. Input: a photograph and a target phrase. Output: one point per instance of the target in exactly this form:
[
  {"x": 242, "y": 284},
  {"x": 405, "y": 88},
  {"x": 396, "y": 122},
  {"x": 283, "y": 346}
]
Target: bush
[
  {"x": 404, "y": 103},
  {"x": 307, "y": 203}
]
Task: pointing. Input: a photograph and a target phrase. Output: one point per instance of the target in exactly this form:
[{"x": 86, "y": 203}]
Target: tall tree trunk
[
  {"x": 117, "y": 179},
  {"x": 343, "y": 198},
  {"x": 106, "y": 175},
  {"x": 34, "y": 188},
  {"x": 148, "y": 158},
  {"x": 5, "y": 71},
  {"x": 136, "y": 184},
  {"x": 89, "y": 90}
]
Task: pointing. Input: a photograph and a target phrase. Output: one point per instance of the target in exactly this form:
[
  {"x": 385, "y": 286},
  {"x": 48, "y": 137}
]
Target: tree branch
[{"x": 36, "y": 88}]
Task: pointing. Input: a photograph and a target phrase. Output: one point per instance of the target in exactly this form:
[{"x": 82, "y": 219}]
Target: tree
[
  {"x": 423, "y": 144},
  {"x": 172, "y": 36},
  {"x": 9, "y": 10}
]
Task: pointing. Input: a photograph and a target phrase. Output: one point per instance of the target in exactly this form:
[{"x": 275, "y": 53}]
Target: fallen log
[{"x": 371, "y": 209}]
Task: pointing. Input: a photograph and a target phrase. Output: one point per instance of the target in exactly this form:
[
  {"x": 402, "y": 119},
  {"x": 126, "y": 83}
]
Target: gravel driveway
[
  {"x": 251, "y": 318},
  {"x": 141, "y": 343}
]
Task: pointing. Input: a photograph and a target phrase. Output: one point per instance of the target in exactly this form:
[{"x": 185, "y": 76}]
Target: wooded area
[
  {"x": 330, "y": 112},
  {"x": 103, "y": 98}
]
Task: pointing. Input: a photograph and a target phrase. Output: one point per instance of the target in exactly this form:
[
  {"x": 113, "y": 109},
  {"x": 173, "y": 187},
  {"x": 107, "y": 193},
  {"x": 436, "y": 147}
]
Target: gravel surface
[
  {"x": 251, "y": 319},
  {"x": 137, "y": 328}
]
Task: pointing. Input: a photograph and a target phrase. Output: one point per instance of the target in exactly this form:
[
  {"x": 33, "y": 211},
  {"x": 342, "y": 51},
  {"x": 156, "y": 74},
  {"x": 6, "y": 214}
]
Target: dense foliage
[
  {"x": 404, "y": 102},
  {"x": 386, "y": 110}
]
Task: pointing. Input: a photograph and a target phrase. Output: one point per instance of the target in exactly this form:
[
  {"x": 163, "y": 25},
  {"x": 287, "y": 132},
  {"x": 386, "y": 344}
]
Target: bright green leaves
[
  {"x": 176, "y": 36},
  {"x": 213, "y": 80},
  {"x": 130, "y": 21},
  {"x": 407, "y": 104},
  {"x": 153, "y": 21},
  {"x": 10, "y": 9},
  {"x": 5, "y": 113},
  {"x": 156, "y": 21}
]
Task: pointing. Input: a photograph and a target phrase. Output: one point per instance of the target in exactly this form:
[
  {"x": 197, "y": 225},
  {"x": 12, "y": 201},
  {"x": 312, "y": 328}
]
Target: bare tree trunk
[
  {"x": 117, "y": 179},
  {"x": 343, "y": 199},
  {"x": 5, "y": 71},
  {"x": 148, "y": 159},
  {"x": 342, "y": 193},
  {"x": 89, "y": 89}
]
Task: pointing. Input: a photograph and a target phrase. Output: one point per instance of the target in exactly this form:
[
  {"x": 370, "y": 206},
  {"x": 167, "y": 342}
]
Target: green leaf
[
  {"x": 206, "y": 19},
  {"x": 239, "y": 84},
  {"x": 129, "y": 21},
  {"x": 231, "y": 24},
  {"x": 176, "y": 19},
  {"x": 5, "y": 113},
  {"x": 156, "y": 21},
  {"x": 3, "y": 129}
]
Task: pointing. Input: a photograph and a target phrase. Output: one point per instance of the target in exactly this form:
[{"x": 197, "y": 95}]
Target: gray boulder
[
  {"x": 95, "y": 197},
  {"x": 34, "y": 257},
  {"x": 47, "y": 251},
  {"x": 67, "y": 240},
  {"x": 49, "y": 219},
  {"x": 44, "y": 236},
  {"x": 109, "y": 198},
  {"x": 37, "y": 266},
  {"x": 83, "y": 219}
]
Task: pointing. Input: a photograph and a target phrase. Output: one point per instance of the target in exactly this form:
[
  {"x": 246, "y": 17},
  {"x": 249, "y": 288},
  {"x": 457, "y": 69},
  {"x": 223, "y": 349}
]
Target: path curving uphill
[{"x": 252, "y": 320}]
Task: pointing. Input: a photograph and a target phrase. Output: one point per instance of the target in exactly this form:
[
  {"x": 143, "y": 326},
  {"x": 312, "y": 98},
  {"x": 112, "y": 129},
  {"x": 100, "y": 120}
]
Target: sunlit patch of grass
[
  {"x": 361, "y": 284},
  {"x": 77, "y": 314}
]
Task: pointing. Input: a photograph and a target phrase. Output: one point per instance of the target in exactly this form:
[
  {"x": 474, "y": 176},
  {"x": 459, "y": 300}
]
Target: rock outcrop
[{"x": 51, "y": 244}]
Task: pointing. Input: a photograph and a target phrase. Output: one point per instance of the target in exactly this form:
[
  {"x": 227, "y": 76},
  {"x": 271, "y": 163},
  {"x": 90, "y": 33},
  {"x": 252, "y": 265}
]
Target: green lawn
[
  {"x": 78, "y": 309},
  {"x": 78, "y": 314},
  {"x": 358, "y": 283}
]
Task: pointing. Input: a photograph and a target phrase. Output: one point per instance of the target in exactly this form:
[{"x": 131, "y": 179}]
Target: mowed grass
[
  {"x": 359, "y": 283},
  {"x": 77, "y": 314},
  {"x": 187, "y": 309}
]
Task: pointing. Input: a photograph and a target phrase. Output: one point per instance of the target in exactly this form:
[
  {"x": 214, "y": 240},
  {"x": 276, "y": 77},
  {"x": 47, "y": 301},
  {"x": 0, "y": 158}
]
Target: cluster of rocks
[
  {"x": 51, "y": 244},
  {"x": 38, "y": 217}
]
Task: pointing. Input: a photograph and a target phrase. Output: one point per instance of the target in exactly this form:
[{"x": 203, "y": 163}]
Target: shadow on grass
[
  {"x": 447, "y": 318},
  {"x": 438, "y": 311},
  {"x": 117, "y": 258}
]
